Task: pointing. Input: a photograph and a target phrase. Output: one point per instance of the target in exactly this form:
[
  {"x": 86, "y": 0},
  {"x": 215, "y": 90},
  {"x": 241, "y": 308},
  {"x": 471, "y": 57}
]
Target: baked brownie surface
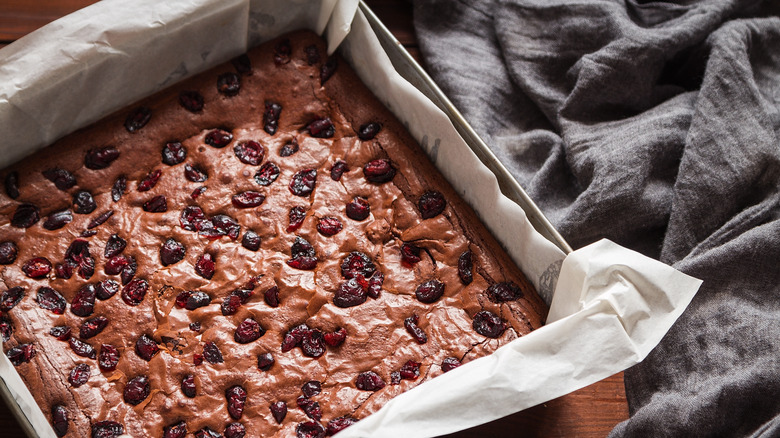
[{"x": 222, "y": 237}]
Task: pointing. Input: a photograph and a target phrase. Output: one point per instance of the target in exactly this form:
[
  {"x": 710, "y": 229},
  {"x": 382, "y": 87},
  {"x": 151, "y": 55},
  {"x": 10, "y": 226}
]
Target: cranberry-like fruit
[
  {"x": 271, "y": 117},
  {"x": 271, "y": 296},
  {"x": 417, "y": 333},
  {"x": 173, "y": 153},
  {"x": 128, "y": 270},
  {"x": 205, "y": 266},
  {"x": 146, "y": 347},
  {"x": 61, "y": 178},
  {"x": 116, "y": 264},
  {"x": 108, "y": 358},
  {"x": 294, "y": 337},
  {"x": 158, "y": 204},
  {"x": 79, "y": 375},
  {"x": 138, "y": 118},
  {"x": 338, "y": 424},
  {"x": 327, "y": 69},
  {"x": 136, "y": 390},
  {"x": 431, "y": 204},
  {"x": 369, "y": 131},
  {"x": 83, "y": 303},
  {"x": 488, "y": 324},
  {"x": 193, "y": 299},
  {"x": 329, "y": 226},
  {"x": 450, "y": 363},
  {"x": 100, "y": 219},
  {"x": 350, "y": 293},
  {"x": 242, "y": 64},
  {"x": 106, "y": 289},
  {"x": 336, "y": 338},
  {"x": 379, "y": 171},
  {"x": 375, "y": 285},
  {"x": 249, "y": 152},
  {"x": 358, "y": 209},
  {"x": 59, "y": 420},
  {"x": 312, "y": 344},
  {"x": 321, "y": 128},
  {"x": 107, "y": 429},
  {"x": 297, "y": 215},
  {"x": 135, "y": 291},
  {"x": 77, "y": 255},
  {"x": 282, "y": 52},
  {"x": 309, "y": 429},
  {"x": 82, "y": 348},
  {"x": 197, "y": 192},
  {"x": 176, "y": 430},
  {"x": 267, "y": 174},
  {"x": 303, "y": 182},
  {"x": 251, "y": 241},
  {"x": 221, "y": 225},
  {"x": 410, "y": 370},
  {"x": 279, "y": 411},
  {"x": 63, "y": 270},
  {"x": 218, "y": 138},
  {"x": 357, "y": 263},
  {"x": 430, "y": 291},
  {"x": 188, "y": 386},
  {"x": 91, "y": 327},
  {"x": 20, "y": 354},
  {"x": 50, "y": 299},
  {"x": 61, "y": 333},
  {"x": 265, "y": 361},
  {"x": 192, "y": 101},
  {"x": 58, "y": 219},
  {"x": 211, "y": 353},
  {"x": 505, "y": 291},
  {"x": 248, "y": 331},
  {"x": 195, "y": 173},
  {"x": 230, "y": 304},
  {"x": 235, "y": 430},
  {"x": 369, "y": 381},
  {"x": 312, "y": 54},
  {"x": 195, "y": 326},
  {"x": 207, "y": 433},
  {"x": 229, "y": 84},
  {"x": 310, "y": 407},
  {"x": 338, "y": 169},
  {"x": 12, "y": 185},
  {"x": 247, "y": 199},
  {"x": 8, "y": 252},
  {"x": 192, "y": 218},
  {"x": 149, "y": 181},
  {"x": 311, "y": 388},
  {"x": 289, "y": 148},
  {"x": 114, "y": 246},
  {"x": 25, "y": 216},
  {"x": 11, "y": 298},
  {"x": 410, "y": 254},
  {"x": 303, "y": 255},
  {"x": 171, "y": 252},
  {"x": 6, "y": 327},
  {"x": 119, "y": 188},
  {"x": 97, "y": 159},
  {"x": 236, "y": 399}
]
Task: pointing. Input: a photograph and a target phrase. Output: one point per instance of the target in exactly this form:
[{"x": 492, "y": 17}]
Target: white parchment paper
[{"x": 610, "y": 306}]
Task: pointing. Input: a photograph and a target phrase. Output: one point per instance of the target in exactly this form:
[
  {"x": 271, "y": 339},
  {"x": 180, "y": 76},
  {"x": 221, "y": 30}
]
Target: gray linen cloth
[{"x": 656, "y": 125}]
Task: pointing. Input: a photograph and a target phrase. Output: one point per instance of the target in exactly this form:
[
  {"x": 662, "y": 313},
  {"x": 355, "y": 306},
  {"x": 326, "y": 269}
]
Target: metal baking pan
[{"x": 413, "y": 72}]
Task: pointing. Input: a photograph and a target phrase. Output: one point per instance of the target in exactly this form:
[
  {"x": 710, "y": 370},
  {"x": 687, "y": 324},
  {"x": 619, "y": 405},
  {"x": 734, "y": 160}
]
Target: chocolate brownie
[{"x": 260, "y": 249}]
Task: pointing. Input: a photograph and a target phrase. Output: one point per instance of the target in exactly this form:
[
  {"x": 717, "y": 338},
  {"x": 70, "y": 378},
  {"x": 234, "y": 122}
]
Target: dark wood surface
[{"x": 590, "y": 412}]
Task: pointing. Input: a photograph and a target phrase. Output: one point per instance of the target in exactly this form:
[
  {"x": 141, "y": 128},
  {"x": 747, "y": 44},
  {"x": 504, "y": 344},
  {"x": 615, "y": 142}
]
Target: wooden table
[{"x": 590, "y": 412}]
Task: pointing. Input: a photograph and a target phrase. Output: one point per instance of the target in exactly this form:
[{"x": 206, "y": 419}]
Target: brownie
[{"x": 262, "y": 247}]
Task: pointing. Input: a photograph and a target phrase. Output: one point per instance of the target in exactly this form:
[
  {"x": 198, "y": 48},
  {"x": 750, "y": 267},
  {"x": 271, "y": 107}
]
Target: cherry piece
[
  {"x": 410, "y": 370},
  {"x": 135, "y": 291},
  {"x": 197, "y": 192},
  {"x": 8, "y": 252},
  {"x": 297, "y": 215},
  {"x": 58, "y": 219},
  {"x": 106, "y": 289},
  {"x": 37, "y": 267},
  {"x": 77, "y": 255},
  {"x": 357, "y": 263},
  {"x": 309, "y": 429},
  {"x": 195, "y": 173},
  {"x": 289, "y": 148},
  {"x": 149, "y": 181},
  {"x": 340, "y": 423},
  {"x": 82, "y": 348},
  {"x": 488, "y": 324},
  {"x": 100, "y": 219},
  {"x": 171, "y": 252},
  {"x": 321, "y": 128},
  {"x": 369, "y": 131},
  {"x": 369, "y": 381},
  {"x": 107, "y": 429},
  {"x": 50, "y": 299},
  {"x": 173, "y": 153},
  {"x": 350, "y": 293},
  {"x": 410, "y": 254},
  {"x": 119, "y": 188},
  {"x": 83, "y": 303},
  {"x": 251, "y": 241},
  {"x": 229, "y": 84},
  {"x": 11, "y": 298},
  {"x": 311, "y": 388},
  {"x": 192, "y": 218},
  {"x": 138, "y": 118},
  {"x": 430, "y": 291},
  {"x": 235, "y": 430},
  {"x": 97, "y": 159},
  {"x": 6, "y": 327},
  {"x": 247, "y": 199},
  {"x": 271, "y": 296},
  {"x": 303, "y": 182},
  {"x": 128, "y": 270},
  {"x": 136, "y": 390},
  {"x": 271, "y": 117},
  {"x": 265, "y": 361},
  {"x": 211, "y": 353},
  {"x": 192, "y": 101},
  {"x": 207, "y": 433},
  {"x": 279, "y": 411},
  {"x": 249, "y": 152},
  {"x": 303, "y": 255},
  {"x": 12, "y": 185},
  {"x": 205, "y": 266},
  {"x": 267, "y": 174},
  {"x": 312, "y": 343},
  {"x": 188, "y": 386},
  {"x": 114, "y": 246},
  {"x": 378, "y": 171},
  {"x": 242, "y": 64},
  {"x": 146, "y": 348},
  {"x": 248, "y": 331},
  {"x": 61, "y": 178},
  {"x": 20, "y": 354},
  {"x": 338, "y": 169},
  {"x": 450, "y": 363},
  {"x": 329, "y": 226},
  {"x": 176, "y": 430},
  {"x": 79, "y": 375},
  {"x": 431, "y": 204},
  {"x": 59, "y": 420},
  {"x": 25, "y": 216},
  {"x": 310, "y": 407},
  {"x": 218, "y": 138},
  {"x": 294, "y": 337},
  {"x": 282, "y": 52},
  {"x": 327, "y": 69},
  {"x": 236, "y": 399},
  {"x": 158, "y": 204},
  {"x": 358, "y": 209},
  {"x": 336, "y": 338},
  {"x": 503, "y": 292},
  {"x": 108, "y": 358},
  {"x": 417, "y": 333}
]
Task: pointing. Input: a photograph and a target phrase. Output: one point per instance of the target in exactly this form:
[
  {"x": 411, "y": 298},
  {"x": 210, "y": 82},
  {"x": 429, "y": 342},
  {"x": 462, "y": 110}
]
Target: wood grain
[{"x": 590, "y": 412}]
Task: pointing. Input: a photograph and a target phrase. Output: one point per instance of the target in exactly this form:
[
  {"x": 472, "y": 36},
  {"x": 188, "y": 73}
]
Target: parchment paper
[{"x": 610, "y": 306}]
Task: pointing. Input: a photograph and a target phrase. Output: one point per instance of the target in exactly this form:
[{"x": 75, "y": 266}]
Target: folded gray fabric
[{"x": 656, "y": 125}]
